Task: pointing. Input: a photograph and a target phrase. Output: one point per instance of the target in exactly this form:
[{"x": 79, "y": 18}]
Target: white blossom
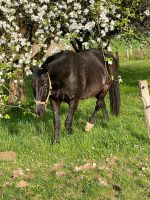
[
  {"x": 103, "y": 33},
  {"x": 109, "y": 48},
  {"x": 118, "y": 16},
  {"x": 110, "y": 62},
  {"x": 147, "y": 12},
  {"x": 90, "y": 25},
  {"x": 2, "y": 80},
  {"x": 86, "y": 11}
]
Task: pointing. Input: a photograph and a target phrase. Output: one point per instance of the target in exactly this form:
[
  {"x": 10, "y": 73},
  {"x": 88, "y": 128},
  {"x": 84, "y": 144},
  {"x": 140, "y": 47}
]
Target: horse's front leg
[
  {"x": 72, "y": 108},
  {"x": 56, "y": 111}
]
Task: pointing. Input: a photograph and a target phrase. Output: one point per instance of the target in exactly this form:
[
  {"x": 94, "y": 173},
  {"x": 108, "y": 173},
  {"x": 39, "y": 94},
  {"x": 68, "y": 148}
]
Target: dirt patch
[
  {"x": 102, "y": 181},
  {"x": 22, "y": 184},
  {"x": 25, "y": 174},
  {"x": 58, "y": 166},
  {"x": 8, "y": 155},
  {"x": 60, "y": 174},
  {"x": 18, "y": 173},
  {"x": 86, "y": 166}
]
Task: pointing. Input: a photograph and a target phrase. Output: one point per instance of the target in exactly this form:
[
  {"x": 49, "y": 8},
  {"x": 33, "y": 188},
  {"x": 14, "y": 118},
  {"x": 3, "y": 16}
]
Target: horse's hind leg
[
  {"x": 99, "y": 104},
  {"x": 104, "y": 111},
  {"x": 72, "y": 108}
]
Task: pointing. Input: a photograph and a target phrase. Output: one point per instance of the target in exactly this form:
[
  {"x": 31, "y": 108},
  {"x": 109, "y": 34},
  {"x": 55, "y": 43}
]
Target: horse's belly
[
  {"x": 63, "y": 94},
  {"x": 92, "y": 91}
]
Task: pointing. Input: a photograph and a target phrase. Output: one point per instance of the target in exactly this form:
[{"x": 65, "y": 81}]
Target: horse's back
[{"x": 96, "y": 61}]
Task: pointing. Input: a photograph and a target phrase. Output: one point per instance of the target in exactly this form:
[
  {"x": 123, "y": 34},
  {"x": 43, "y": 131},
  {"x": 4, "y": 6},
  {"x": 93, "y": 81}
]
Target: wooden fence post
[{"x": 146, "y": 101}]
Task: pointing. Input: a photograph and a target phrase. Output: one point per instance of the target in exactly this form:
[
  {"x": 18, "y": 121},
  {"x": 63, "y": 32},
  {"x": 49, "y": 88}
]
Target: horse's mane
[{"x": 52, "y": 58}]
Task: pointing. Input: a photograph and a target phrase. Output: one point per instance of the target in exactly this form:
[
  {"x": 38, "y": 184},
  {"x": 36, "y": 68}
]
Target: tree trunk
[{"x": 16, "y": 89}]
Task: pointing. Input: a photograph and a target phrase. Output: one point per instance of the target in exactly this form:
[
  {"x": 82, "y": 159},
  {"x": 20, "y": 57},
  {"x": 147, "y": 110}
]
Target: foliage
[{"x": 24, "y": 23}]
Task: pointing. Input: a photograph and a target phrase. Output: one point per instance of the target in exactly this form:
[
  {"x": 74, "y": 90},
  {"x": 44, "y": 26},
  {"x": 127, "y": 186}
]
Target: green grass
[
  {"x": 120, "y": 149},
  {"x": 139, "y": 51}
]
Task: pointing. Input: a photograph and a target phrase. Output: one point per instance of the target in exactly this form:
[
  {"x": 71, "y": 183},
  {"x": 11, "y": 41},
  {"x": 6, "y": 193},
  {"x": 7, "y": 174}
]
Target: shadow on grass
[{"x": 19, "y": 119}]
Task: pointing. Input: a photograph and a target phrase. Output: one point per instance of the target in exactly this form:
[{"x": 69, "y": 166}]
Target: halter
[{"x": 49, "y": 93}]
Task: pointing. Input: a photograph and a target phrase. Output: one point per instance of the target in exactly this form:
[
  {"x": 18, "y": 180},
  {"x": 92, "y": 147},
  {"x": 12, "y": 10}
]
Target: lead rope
[{"x": 49, "y": 93}]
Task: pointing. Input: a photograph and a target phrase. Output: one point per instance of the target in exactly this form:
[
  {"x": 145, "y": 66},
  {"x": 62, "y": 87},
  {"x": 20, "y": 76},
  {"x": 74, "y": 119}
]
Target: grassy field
[
  {"x": 138, "y": 51},
  {"x": 110, "y": 162}
]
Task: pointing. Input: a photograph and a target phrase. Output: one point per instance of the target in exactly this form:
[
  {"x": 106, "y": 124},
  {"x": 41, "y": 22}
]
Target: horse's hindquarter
[{"x": 95, "y": 76}]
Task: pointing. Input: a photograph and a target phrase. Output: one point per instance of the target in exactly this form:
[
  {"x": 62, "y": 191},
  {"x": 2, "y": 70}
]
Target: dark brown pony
[{"x": 69, "y": 77}]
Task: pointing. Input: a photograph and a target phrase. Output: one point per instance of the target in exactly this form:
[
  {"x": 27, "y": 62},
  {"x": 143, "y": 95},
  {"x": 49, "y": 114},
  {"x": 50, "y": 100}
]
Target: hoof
[
  {"x": 89, "y": 126},
  {"x": 70, "y": 131}
]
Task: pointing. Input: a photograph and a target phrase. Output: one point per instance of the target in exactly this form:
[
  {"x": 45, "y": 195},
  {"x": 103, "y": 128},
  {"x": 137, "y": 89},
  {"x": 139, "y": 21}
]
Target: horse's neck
[{"x": 55, "y": 70}]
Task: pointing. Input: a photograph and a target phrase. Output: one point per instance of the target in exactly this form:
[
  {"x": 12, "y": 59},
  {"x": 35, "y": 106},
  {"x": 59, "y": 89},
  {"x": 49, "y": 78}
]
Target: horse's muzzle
[{"x": 39, "y": 110}]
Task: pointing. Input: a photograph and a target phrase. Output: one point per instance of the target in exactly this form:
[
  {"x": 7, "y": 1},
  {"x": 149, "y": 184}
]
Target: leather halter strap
[{"x": 49, "y": 93}]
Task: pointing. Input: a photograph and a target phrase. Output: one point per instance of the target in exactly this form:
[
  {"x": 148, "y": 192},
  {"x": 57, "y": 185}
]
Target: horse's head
[{"x": 41, "y": 85}]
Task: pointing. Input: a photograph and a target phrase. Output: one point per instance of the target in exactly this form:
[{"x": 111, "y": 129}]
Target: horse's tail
[{"x": 114, "y": 91}]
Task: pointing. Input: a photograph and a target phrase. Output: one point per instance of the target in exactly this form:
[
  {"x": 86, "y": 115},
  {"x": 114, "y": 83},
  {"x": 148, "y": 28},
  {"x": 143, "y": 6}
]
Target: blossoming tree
[{"x": 81, "y": 24}]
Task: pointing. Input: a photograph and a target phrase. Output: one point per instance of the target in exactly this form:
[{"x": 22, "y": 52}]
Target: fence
[{"x": 146, "y": 102}]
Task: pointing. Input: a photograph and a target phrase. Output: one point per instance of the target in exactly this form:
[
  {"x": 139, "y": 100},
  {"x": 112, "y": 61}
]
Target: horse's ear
[{"x": 44, "y": 70}]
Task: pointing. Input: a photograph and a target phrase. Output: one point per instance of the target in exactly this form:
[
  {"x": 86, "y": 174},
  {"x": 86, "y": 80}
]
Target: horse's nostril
[{"x": 39, "y": 113}]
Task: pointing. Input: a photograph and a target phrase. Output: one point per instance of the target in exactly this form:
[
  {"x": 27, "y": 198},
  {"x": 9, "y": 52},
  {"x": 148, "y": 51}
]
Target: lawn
[{"x": 110, "y": 162}]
